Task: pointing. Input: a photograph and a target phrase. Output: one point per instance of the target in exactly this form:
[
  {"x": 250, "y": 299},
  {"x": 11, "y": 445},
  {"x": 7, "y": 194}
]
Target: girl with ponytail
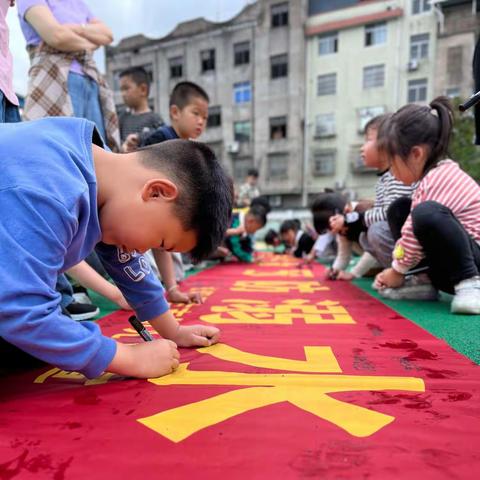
[{"x": 438, "y": 231}]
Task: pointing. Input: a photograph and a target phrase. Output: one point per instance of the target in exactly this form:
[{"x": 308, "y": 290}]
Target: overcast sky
[{"x": 153, "y": 18}]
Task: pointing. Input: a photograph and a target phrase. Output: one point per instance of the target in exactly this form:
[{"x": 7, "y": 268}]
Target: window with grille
[
  {"x": 373, "y": 76},
  {"x": 323, "y": 163},
  {"x": 419, "y": 46},
  {"x": 242, "y": 131},
  {"x": 327, "y": 84},
  {"x": 375, "y": 34},
  {"x": 241, "y": 53},
  {"x": 242, "y": 92},
  {"x": 176, "y": 67},
  {"x": 214, "y": 117},
  {"x": 278, "y": 166},
  {"x": 420, "y": 6},
  {"x": 417, "y": 90},
  {"x": 325, "y": 125},
  {"x": 279, "y": 66},
  {"x": 207, "y": 60},
  {"x": 279, "y": 15},
  {"x": 455, "y": 65},
  {"x": 278, "y": 128},
  {"x": 328, "y": 44}
]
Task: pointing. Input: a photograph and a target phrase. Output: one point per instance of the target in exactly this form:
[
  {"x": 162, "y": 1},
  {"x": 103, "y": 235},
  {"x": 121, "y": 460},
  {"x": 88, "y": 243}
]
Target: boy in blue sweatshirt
[{"x": 61, "y": 196}]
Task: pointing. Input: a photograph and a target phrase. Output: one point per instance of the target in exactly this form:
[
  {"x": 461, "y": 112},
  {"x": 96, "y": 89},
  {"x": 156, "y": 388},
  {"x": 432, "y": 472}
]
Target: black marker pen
[{"x": 140, "y": 329}]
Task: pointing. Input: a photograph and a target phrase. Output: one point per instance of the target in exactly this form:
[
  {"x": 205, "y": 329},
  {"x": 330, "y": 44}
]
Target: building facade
[
  {"x": 458, "y": 32},
  {"x": 364, "y": 58},
  {"x": 293, "y": 83},
  {"x": 252, "y": 68}
]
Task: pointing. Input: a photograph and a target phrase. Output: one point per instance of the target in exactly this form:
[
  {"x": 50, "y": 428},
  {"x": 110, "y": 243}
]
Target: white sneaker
[
  {"x": 416, "y": 287},
  {"x": 467, "y": 297}
]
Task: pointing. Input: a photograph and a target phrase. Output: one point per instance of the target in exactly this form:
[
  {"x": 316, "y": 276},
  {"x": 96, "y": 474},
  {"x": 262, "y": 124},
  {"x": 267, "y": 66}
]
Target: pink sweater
[{"x": 449, "y": 185}]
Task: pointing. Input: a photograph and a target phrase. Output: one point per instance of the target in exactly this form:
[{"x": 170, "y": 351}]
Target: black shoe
[{"x": 81, "y": 311}]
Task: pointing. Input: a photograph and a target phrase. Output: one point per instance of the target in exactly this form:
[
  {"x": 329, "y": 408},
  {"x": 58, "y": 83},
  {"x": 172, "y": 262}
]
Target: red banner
[{"x": 311, "y": 379}]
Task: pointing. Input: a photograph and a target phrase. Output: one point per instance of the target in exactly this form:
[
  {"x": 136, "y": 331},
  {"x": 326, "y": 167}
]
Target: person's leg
[
  {"x": 380, "y": 243},
  {"x": 8, "y": 112},
  {"x": 451, "y": 254},
  {"x": 397, "y": 213},
  {"x": 77, "y": 91},
  {"x": 93, "y": 109},
  {"x": 84, "y": 94},
  {"x": 65, "y": 289}
]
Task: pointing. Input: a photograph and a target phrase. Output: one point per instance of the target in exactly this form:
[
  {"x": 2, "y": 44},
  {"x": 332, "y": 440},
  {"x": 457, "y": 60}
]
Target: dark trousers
[{"x": 451, "y": 254}]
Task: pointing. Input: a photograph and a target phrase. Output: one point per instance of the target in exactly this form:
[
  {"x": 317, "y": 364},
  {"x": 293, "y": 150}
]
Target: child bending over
[{"x": 174, "y": 196}]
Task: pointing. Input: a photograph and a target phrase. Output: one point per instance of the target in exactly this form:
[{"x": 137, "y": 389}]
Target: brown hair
[{"x": 412, "y": 125}]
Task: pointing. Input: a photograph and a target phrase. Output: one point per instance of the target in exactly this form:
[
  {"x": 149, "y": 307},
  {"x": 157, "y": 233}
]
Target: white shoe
[
  {"x": 467, "y": 297},
  {"x": 416, "y": 287}
]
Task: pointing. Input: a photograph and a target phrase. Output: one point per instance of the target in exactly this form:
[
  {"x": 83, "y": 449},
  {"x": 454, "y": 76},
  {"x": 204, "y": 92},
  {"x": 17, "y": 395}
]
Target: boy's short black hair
[
  {"x": 290, "y": 225},
  {"x": 138, "y": 75},
  {"x": 324, "y": 206},
  {"x": 259, "y": 213},
  {"x": 205, "y": 192},
  {"x": 183, "y": 93},
  {"x": 270, "y": 237},
  {"x": 261, "y": 200},
  {"x": 252, "y": 172}
]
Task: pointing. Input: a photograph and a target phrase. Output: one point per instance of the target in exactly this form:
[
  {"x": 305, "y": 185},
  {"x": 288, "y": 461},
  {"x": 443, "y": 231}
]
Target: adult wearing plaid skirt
[{"x": 63, "y": 77}]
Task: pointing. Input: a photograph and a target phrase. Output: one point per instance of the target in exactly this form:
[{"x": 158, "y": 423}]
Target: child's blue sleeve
[
  {"x": 35, "y": 231},
  {"x": 133, "y": 275}
]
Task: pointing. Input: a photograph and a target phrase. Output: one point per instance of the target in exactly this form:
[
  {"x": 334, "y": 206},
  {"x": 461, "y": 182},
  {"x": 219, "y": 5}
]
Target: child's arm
[
  {"x": 89, "y": 278},
  {"x": 164, "y": 263},
  {"x": 344, "y": 253},
  {"x": 240, "y": 230}
]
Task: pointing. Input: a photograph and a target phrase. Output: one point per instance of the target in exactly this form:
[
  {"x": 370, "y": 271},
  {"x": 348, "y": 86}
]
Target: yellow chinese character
[
  {"x": 283, "y": 313},
  {"x": 277, "y": 286},
  {"x": 295, "y": 273},
  {"x": 73, "y": 377},
  {"x": 308, "y": 391}
]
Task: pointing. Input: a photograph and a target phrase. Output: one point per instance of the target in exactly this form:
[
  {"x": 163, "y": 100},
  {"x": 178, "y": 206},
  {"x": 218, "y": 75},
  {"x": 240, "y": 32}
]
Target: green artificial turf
[{"x": 461, "y": 332}]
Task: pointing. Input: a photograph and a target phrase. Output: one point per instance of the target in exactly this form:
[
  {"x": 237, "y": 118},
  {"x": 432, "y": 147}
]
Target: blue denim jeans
[
  {"x": 84, "y": 93},
  {"x": 8, "y": 112}
]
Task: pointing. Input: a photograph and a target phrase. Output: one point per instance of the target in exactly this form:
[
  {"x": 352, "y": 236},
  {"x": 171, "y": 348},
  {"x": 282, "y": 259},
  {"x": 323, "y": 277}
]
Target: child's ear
[
  {"x": 174, "y": 111},
  {"x": 161, "y": 189}
]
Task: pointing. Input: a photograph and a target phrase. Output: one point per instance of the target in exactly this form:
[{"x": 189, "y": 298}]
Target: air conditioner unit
[
  {"x": 233, "y": 147},
  {"x": 412, "y": 65}
]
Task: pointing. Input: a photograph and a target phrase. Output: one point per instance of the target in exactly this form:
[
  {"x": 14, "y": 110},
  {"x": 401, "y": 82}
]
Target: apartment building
[
  {"x": 252, "y": 67},
  {"x": 364, "y": 58},
  {"x": 459, "y": 29}
]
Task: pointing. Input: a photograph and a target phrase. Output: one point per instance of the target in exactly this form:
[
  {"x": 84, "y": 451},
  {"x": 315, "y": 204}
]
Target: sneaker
[
  {"x": 80, "y": 294},
  {"x": 416, "y": 287},
  {"x": 81, "y": 311},
  {"x": 467, "y": 297}
]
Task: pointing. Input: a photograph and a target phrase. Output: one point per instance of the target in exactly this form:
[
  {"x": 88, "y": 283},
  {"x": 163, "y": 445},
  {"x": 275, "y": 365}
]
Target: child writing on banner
[
  {"x": 239, "y": 237},
  {"x": 299, "y": 242},
  {"x": 138, "y": 118},
  {"x": 441, "y": 227},
  {"x": 174, "y": 196},
  {"x": 188, "y": 114},
  {"x": 368, "y": 226}
]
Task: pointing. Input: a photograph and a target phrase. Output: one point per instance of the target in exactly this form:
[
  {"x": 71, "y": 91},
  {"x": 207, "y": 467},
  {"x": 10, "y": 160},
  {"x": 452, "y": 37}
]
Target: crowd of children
[{"x": 420, "y": 233}]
